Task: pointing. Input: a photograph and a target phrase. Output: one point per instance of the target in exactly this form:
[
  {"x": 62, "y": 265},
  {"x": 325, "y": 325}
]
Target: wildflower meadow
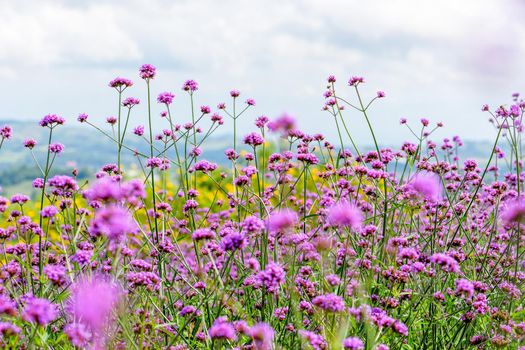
[{"x": 292, "y": 241}]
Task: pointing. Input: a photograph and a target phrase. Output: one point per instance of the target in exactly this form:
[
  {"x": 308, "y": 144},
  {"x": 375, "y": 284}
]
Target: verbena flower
[
  {"x": 222, "y": 330},
  {"x": 345, "y": 215},
  {"x": 147, "y": 71},
  {"x": 39, "y": 311},
  {"x": 426, "y": 185},
  {"x": 92, "y": 303}
]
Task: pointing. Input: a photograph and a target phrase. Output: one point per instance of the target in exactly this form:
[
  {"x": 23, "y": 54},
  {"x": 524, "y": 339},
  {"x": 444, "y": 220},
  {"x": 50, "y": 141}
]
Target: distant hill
[{"x": 87, "y": 150}]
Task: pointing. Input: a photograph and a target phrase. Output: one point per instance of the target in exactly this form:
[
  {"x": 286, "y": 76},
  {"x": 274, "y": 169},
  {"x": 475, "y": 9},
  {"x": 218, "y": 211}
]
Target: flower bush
[{"x": 291, "y": 242}]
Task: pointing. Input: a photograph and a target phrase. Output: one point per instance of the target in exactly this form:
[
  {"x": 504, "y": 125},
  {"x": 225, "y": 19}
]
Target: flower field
[{"x": 292, "y": 242}]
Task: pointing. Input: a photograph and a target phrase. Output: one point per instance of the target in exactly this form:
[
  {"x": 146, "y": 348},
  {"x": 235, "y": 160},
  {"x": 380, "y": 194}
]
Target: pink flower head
[
  {"x": 112, "y": 221},
  {"x": 253, "y": 139},
  {"x": 345, "y": 215},
  {"x": 426, "y": 185},
  {"x": 282, "y": 124},
  {"x": 105, "y": 189},
  {"x": 49, "y": 211},
  {"x": 329, "y": 302},
  {"x": 6, "y": 132},
  {"x": 147, "y": 71},
  {"x": 93, "y": 301},
  {"x": 120, "y": 83},
  {"x": 56, "y": 148},
  {"x": 514, "y": 211},
  {"x": 78, "y": 334},
  {"x": 353, "y": 343},
  {"x": 130, "y": 102},
  {"x": 82, "y": 117},
  {"x": 282, "y": 220},
  {"x": 139, "y": 130},
  {"x": 166, "y": 98},
  {"x": 354, "y": 81},
  {"x": 262, "y": 335},
  {"x": 222, "y": 330},
  {"x": 190, "y": 86},
  {"x": 39, "y": 311},
  {"x": 51, "y": 120}
]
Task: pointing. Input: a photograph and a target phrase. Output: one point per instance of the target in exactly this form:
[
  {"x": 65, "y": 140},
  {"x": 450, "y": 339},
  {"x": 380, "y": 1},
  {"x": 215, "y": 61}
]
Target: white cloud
[
  {"x": 52, "y": 34},
  {"x": 461, "y": 52}
]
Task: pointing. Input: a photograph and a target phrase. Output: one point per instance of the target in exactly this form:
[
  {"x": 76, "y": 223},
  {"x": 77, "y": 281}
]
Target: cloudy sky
[{"x": 436, "y": 59}]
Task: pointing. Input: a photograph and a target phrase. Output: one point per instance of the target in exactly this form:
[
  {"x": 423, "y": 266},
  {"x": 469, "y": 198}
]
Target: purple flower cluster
[{"x": 300, "y": 243}]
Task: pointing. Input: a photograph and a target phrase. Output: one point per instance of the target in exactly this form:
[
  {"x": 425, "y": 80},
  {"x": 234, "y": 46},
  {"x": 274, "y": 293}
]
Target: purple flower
[
  {"x": 253, "y": 224},
  {"x": 39, "y": 311},
  {"x": 111, "y": 120},
  {"x": 354, "y": 81},
  {"x": 105, "y": 189},
  {"x": 283, "y": 124},
  {"x": 447, "y": 263},
  {"x": 233, "y": 241},
  {"x": 514, "y": 211},
  {"x": 38, "y": 182},
  {"x": 165, "y": 97},
  {"x": 345, "y": 215},
  {"x": 93, "y": 301},
  {"x": 139, "y": 130},
  {"x": 82, "y": 117},
  {"x": 205, "y": 166},
  {"x": 202, "y": 233},
  {"x": 120, "y": 83},
  {"x": 271, "y": 277},
  {"x": 282, "y": 220},
  {"x": 51, "y": 120},
  {"x": 222, "y": 330},
  {"x": 30, "y": 143},
  {"x": 205, "y": 109},
  {"x": 147, "y": 279},
  {"x": 253, "y": 139},
  {"x": 113, "y": 222},
  {"x": 7, "y": 329},
  {"x": 56, "y": 148},
  {"x": 56, "y": 274},
  {"x": 308, "y": 158},
  {"x": 262, "y": 335},
  {"x": 19, "y": 199},
  {"x": 261, "y": 121},
  {"x": 190, "y": 85},
  {"x": 63, "y": 185},
  {"x": 400, "y": 328},
  {"x": 353, "y": 343},
  {"x": 154, "y": 162},
  {"x": 7, "y": 306},
  {"x": 329, "y": 302},
  {"x": 6, "y": 132},
  {"x": 49, "y": 211},
  {"x": 316, "y": 341},
  {"x": 130, "y": 102},
  {"x": 79, "y": 335},
  {"x": 464, "y": 288},
  {"x": 147, "y": 71},
  {"x": 426, "y": 185}
]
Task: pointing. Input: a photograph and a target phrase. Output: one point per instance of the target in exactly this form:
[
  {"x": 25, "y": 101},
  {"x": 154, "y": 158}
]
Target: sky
[{"x": 439, "y": 60}]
